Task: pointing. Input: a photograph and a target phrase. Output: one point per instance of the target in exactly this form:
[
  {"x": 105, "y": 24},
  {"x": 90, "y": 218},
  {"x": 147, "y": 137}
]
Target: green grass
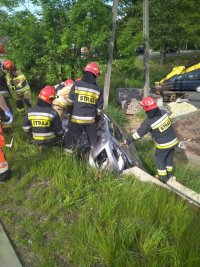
[
  {"x": 186, "y": 174},
  {"x": 60, "y": 212}
]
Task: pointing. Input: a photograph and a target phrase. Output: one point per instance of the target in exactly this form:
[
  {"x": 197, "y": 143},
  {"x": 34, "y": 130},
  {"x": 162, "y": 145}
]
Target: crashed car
[{"x": 110, "y": 152}]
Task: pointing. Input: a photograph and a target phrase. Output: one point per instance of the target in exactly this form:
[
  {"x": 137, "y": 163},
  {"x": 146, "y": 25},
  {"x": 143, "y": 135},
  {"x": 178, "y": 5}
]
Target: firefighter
[
  {"x": 4, "y": 90},
  {"x": 18, "y": 83},
  {"x": 60, "y": 103},
  {"x": 5, "y": 117},
  {"x": 84, "y": 108},
  {"x": 159, "y": 125},
  {"x": 42, "y": 121}
]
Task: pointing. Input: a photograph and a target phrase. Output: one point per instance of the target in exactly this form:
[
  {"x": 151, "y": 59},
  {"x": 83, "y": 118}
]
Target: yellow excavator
[{"x": 165, "y": 86}]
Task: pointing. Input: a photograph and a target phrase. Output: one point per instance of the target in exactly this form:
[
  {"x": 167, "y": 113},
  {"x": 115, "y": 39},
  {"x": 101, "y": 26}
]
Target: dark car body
[
  {"x": 171, "y": 51},
  {"x": 185, "y": 82}
]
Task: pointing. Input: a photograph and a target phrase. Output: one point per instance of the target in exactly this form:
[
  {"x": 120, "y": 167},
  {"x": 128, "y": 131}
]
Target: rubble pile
[
  {"x": 129, "y": 93},
  {"x": 177, "y": 109},
  {"x": 131, "y": 107}
]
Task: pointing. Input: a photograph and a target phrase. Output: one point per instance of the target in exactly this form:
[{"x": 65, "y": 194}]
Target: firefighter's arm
[
  {"x": 9, "y": 118},
  {"x": 57, "y": 124},
  {"x": 144, "y": 129},
  {"x": 99, "y": 107},
  {"x": 26, "y": 124},
  {"x": 3, "y": 116},
  {"x": 70, "y": 101}
]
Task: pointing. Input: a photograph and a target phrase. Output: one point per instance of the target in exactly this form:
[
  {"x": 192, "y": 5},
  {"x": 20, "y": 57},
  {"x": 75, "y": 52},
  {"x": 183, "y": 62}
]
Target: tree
[{"x": 110, "y": 54}]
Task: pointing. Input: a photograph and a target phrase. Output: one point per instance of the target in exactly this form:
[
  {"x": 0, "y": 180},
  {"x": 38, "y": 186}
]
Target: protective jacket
[
  {"x": 60, "y": 103},
  {"x": 44, "y": 123},
  {"x": 161, "y": 129},
  {"x": 85, "y": 102},
  {"x": 4, "y": 90},
  {"x": 17, "y": 82}
]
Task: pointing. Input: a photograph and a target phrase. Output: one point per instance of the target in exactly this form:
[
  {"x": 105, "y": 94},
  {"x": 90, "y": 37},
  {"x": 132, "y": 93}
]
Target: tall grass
[{"x": 60, "y": 212}]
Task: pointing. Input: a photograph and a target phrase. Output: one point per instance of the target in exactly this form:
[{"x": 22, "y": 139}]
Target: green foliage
[{"x": 117, "y": 114}]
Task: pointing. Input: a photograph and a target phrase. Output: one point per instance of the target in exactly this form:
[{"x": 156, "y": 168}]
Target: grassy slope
[{"x": 60, "y": 212}]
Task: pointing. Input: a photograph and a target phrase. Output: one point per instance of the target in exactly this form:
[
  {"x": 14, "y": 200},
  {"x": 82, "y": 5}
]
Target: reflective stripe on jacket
[
  {"x": 43, "y": 122},
  {"x": 3, "y": 167},
  {"x": 161, "y": 130},
  {"x": 18, "y": 82},
  {"x": 85, "y": 102}
]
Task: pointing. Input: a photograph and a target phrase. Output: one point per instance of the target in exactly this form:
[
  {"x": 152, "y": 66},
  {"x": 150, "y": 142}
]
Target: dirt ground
[{"x": 188, "y": 131}]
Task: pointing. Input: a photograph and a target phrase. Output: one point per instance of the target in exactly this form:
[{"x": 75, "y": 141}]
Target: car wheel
[{"x": 198, "y": 89}]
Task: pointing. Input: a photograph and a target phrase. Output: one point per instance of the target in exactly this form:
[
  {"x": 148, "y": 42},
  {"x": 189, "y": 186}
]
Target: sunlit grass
[{"x": 60, "y": 212}]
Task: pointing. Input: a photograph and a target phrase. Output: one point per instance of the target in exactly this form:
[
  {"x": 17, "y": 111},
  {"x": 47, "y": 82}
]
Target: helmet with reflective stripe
[
  {"x": 93, "y": 67},
  {"x": 47, "y": 94},
  {"x": 68, "y": 82},
  {"x": 148, "y": 103},
  {"x": 8, "y": 65}
]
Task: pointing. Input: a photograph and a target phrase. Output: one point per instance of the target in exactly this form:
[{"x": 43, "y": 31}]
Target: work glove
[
  {"x": 9, "y": 117},
  {"x": 129, "y": 140},
  {"x": 98, "y": 118},
  {"x": 69, "y": 116}
]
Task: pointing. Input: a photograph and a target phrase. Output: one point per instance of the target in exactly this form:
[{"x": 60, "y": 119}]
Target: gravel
[{"x": 177, "y": 109}]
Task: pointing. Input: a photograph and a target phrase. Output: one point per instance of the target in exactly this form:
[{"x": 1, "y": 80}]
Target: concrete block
[
  {"x": 172, "y": 185},
  {"x": 8, "y": 257}
]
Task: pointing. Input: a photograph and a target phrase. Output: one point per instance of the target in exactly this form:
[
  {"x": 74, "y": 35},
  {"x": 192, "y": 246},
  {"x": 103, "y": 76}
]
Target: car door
[
  {"x": 189, "y": 82},
  {"x": 178, "y": 84}
]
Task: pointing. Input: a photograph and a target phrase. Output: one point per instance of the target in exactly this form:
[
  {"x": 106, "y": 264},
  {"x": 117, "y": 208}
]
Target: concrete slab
[
  {"x": 184, "y": 192},
  {"x": 8, "y": 257},
  {"x": 143, "y": 176}
]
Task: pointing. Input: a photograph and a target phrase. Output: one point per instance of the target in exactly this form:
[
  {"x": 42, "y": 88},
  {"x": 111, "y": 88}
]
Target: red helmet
[
  {"x": 148, "y": 103},
  {"x": 47, "y": 94},
  {"x": 93, "y": 67},
  {"x": 8, "y": 65},
  {"x": 68, "y": 82},
  {"x": 78, "y": 79}
]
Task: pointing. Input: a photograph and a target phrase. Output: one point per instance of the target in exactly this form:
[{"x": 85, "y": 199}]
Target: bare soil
[{"x": 188, "y": 131}]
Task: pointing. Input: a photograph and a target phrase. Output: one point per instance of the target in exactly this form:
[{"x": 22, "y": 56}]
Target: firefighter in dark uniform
[
  {"x": 43, "y": 121},
  {"x": 159, "y": 125},
  {"x": 4, "y": 90},
  {"x": 18, "y": 83},
  {"x": 84, "y": 108}
]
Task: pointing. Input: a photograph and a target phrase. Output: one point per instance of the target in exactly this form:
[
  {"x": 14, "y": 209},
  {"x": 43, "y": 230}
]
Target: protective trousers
[
  {"x": 164, "y": 162},
  {"x": 75, "y": 131},
  {"x": 22, "y": 99}
]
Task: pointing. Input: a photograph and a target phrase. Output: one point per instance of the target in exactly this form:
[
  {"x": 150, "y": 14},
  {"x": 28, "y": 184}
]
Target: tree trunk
[
  {"x": 162, "y": 57},
  {"x": 110, "y": 54},
  {"x": 146, "y": 46}
]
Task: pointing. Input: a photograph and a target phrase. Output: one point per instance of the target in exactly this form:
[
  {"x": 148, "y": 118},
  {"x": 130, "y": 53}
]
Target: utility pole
[
  {"x": 146, "y": 45},
  {"x": 110, "y": 54}
]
